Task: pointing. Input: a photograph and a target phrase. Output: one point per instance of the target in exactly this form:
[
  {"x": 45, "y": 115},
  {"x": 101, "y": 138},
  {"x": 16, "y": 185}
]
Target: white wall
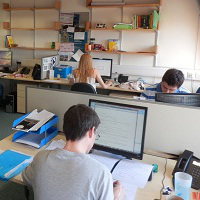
[{"x": 179, "y": 43}]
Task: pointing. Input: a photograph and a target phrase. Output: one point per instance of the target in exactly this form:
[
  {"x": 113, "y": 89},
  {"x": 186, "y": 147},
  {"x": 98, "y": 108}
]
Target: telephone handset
[{"x": 187, "y": 163}]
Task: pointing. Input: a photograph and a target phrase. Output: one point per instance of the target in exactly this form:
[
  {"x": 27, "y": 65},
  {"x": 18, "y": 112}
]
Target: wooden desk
[
  {"x": 64, "y": 82},
  {"x": 152, "y": 188}
]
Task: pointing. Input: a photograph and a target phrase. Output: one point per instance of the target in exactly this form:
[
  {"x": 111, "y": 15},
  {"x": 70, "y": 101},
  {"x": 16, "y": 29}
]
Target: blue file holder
[{"x": 49, "y": 131}]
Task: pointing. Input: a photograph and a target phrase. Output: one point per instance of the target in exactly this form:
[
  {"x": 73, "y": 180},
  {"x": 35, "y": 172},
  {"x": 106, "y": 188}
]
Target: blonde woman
[{"x": 87, "y": 74}]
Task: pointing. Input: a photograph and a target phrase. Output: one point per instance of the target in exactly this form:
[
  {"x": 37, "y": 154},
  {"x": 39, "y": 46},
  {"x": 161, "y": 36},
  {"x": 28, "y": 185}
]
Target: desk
[
  {"x": 152, "y": 188},
  {"x": 64, "y": 82}
]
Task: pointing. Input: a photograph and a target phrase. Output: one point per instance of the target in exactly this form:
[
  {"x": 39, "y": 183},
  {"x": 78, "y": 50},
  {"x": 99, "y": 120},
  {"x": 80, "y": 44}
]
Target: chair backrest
[
  {"x": 198, "y": 91},
  {"x": 83, "y": 87}
]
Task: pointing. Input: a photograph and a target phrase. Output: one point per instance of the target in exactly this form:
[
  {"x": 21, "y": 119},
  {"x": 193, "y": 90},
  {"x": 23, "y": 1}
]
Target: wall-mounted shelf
[
  {"x": 6, "y": 7},
  {"x": 123, "y": 52},
  {"x": 33, "y": 48},
  {"x": 6, "y": 26},
  {"x": 12, "y": 27},
  {"x": 88, "y": 4},
  {"x": 112, "y": 29}
]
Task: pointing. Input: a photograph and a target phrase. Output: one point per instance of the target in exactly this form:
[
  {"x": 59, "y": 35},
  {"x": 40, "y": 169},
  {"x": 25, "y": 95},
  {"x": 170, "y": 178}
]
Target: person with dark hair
[
  {"x": 70, "y": 173},
  {"x": 171, "y": 82}
]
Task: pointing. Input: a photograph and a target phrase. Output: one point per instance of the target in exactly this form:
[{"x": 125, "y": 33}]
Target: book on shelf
[
  {"x": 9, "y": 41},
  {"x": 113, "y": 45},
  {"x": 146, "y": 21},
  {"x": 13, "y": 163},
  {"x": 34, "y": 121}
]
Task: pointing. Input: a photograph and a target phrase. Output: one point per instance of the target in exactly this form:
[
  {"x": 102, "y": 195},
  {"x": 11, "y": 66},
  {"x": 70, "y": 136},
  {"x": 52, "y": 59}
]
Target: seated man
[
  {"x": 70, "y": 173},
  {"x": 171, "y": 83}
]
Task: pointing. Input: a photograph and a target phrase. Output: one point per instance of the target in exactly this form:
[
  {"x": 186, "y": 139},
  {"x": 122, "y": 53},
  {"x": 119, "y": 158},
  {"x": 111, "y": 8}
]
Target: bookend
[{"x": 49, "y": 131}]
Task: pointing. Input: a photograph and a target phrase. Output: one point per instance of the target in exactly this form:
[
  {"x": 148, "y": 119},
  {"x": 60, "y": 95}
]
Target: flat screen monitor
[
  {"x": 5, "y": 60},
  {"x": 188, "y": 99},
  {"x": 104, "y": 66},
  {"x": 122, "y": 128}
]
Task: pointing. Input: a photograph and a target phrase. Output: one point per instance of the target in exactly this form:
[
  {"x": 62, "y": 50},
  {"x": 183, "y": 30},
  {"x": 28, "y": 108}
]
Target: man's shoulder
[{"x": 183, "y": 90}]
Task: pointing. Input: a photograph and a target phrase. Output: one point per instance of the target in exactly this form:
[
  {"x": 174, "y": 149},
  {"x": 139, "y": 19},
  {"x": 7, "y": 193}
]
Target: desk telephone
[{"x": 187, "y": 163}]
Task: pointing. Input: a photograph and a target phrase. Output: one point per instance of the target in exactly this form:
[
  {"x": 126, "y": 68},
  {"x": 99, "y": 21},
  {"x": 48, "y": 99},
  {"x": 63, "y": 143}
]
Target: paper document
[
  {"x": 34, "y": 121},
  {"x": 56, "y": 144},
  {"x": 130, "y": 191},
  {"x": 132, "y": 172},
  {"x": 78, "y": 55},
  {"x": 108, "y": 159},
  {"x": 31, "y": 139},
  {"x": 79, "y": 35}
]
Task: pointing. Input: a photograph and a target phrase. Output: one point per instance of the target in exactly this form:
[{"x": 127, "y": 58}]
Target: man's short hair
[
  {"x": 78, "y": 120},
  {"x": 173, "y": 77}
]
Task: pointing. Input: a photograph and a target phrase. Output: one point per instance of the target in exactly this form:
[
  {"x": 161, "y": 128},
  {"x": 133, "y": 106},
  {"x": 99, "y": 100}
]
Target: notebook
[{"x": 12, "y": 163}]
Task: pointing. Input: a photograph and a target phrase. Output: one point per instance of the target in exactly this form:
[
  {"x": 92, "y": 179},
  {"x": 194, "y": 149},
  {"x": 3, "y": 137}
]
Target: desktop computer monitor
[
  {"x": 49, "y": 63},
  {"x": 188, "y": 99},
  {"x": 122, "y": 128},
  {"x": 104, "y": 66},
  {"x": 5, "y": 61}
]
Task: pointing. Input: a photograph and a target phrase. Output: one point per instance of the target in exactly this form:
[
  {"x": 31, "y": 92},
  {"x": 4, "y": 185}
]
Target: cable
[{"x": 163, "y": 179}]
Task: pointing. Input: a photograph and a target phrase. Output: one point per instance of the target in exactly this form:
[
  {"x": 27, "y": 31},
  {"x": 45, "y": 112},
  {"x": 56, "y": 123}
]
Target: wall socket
[{"x": 190, "y": 75}]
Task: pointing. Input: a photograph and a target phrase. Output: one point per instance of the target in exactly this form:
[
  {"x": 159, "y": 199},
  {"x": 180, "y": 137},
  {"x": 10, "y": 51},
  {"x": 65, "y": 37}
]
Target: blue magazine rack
[{"x": 45, "y": 133}]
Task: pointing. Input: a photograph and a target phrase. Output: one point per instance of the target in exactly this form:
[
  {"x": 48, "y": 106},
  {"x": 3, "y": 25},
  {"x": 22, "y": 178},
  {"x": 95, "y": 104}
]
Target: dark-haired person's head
[
  {"x": 78, "y": 120},
  {"x": 172, "y": 80}
]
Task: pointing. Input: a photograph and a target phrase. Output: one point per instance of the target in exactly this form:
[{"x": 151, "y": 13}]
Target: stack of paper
[
  {"x": 13, "y": 163},
  {"x": 130, "y": 173},
  {"x": 34, "y": 121}
]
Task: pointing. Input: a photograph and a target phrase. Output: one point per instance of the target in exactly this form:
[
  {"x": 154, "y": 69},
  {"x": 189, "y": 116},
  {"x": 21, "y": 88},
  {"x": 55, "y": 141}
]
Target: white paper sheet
[
  {"x": 130, "y": 190},
  {"x": 132, "y": 172},
  {"x": 79, "y": 35},
  {"x": 56, "y": 144},
  {"x": 34, "y": 121},
  {"x": 78, "y": 55},
  {"x": 70, "y": 29},
  {"x": 108, "y": 159}
]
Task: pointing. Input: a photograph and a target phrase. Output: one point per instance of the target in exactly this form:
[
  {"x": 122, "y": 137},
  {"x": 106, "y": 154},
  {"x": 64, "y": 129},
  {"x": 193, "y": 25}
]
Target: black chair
[
  {"x": 198, "y": 91},
  {"x": 83, "y": 87}
]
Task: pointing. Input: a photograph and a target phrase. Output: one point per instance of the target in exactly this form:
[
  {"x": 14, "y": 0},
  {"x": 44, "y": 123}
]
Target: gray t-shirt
[{"x": 60, "y": 174}]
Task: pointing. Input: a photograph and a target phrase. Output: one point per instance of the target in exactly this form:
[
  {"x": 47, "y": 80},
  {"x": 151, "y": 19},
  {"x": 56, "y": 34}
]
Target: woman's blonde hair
[{"x": 85, "y": 68}]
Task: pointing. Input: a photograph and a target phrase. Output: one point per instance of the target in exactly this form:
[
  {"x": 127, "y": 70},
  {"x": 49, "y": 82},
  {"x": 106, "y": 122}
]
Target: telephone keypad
[{"x": 196, "y": 174}]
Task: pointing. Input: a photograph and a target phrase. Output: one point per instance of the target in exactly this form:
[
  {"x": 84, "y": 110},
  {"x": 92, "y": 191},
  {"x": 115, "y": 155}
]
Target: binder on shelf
[
  {"x": 12, "y": 163},
  {"x": 36, "y": 138}
]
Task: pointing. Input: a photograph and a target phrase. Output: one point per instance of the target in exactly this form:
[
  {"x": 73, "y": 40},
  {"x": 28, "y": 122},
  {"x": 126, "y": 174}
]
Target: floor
[{"x": 9, "y": 190}]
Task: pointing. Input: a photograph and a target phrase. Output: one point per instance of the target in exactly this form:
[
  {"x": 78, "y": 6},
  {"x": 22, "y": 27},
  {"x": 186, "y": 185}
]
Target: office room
[{"x": 143, "y": 55}]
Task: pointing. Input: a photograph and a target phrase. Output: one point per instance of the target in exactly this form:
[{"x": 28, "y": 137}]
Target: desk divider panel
[{"x": 170, "y": 128}]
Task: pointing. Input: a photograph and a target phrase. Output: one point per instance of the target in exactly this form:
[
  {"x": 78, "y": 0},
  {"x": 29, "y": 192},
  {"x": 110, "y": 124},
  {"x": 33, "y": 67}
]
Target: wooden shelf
[
  {"x": 34, "y": 48},
  {"x": 125, "y": 5},
  {"x": 88, "y": 4},
  {"x": 6, "y": 7},
  {"x": 6, "y": 26},
  {"x": 32, "y": 29},
  {"x": 112, "y": 29},
  {"x": 122, "y": 52}
]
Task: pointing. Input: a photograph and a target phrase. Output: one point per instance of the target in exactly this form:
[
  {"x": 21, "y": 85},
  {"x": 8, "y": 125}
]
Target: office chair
[{"x": 83, "y": 87}]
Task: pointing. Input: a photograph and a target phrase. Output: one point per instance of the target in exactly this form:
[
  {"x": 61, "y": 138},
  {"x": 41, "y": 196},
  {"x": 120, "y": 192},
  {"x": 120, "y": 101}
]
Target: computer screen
[
  {"x": 104, "y": 66},
  {"x": 5, "y": 60},
  {"x": 122, "y": 128},
  {"x": 188, "y": 99}
]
